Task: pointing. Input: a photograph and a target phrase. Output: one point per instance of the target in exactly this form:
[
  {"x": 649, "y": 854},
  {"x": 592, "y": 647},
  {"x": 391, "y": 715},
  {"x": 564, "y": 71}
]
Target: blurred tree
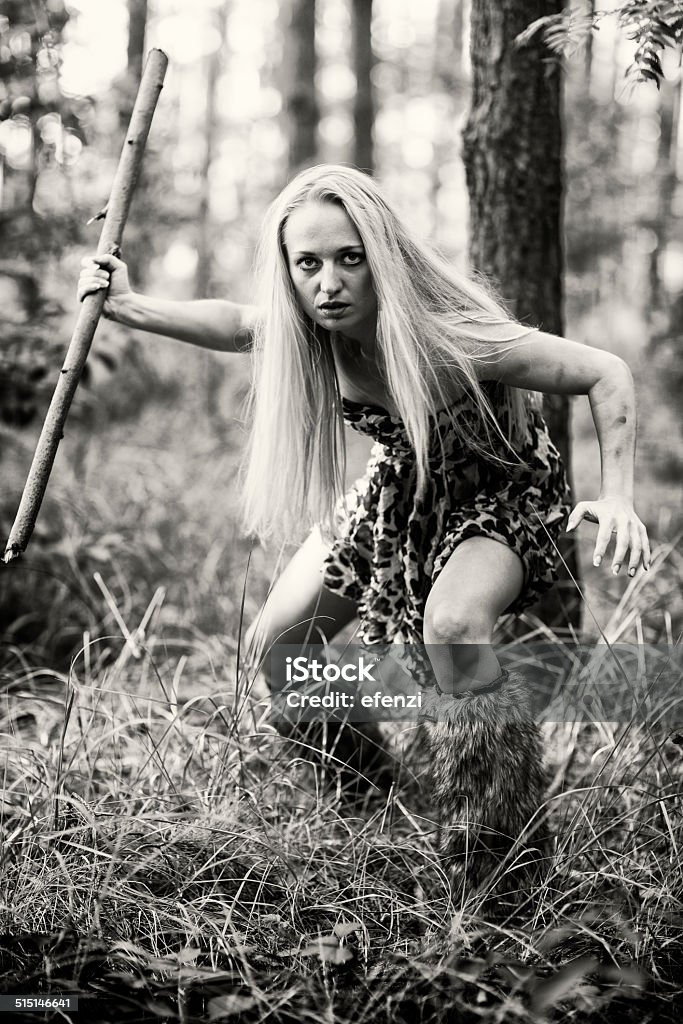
[
  {"x": 127, "y": 84},
  {"x": 513, "y": 161},
  {"x": 139, "y": 235},
  {"x": 204, "y": 278},
  {"x": 301, "y": 101},
  {"x": 42, "y": 129},
  {"x": 666, "y": 175},
  {"x": 42, "y": 135},
  {"x": 205, "y": 242},
  {"x": 364, "y": 103},
  {"x": 137, "y": 31},
  {"x": 448, "y": 45}
]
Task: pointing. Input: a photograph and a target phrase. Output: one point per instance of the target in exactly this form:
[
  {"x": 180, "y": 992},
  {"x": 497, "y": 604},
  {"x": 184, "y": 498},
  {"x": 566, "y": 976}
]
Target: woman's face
[{"x": 329, "y": 270}]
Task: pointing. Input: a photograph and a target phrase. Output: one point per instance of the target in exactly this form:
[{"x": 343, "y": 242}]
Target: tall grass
[{"x": 206, "y": 868}]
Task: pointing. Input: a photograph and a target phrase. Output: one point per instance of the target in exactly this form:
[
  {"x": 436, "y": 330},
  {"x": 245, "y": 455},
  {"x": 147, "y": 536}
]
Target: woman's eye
[
  {"x": 307, "y": 263},
  {"x": 353, "y": 258}
]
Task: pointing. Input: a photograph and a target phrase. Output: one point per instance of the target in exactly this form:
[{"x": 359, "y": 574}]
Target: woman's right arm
[{"x": 210, "y": 323}]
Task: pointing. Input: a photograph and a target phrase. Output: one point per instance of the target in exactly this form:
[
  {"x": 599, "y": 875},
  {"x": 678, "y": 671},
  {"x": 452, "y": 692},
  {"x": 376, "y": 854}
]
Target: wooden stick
[{"x": 91, "y": 308}]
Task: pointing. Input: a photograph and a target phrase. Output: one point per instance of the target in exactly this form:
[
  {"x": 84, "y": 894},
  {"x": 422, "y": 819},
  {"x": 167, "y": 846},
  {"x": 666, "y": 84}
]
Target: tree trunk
[
  {"x": 666, "y": 175},
  {"x": 301, "y": 101},
  {"x": 364, "y": 104},
  {"x": 137, "y": 29},
  {"x": 139, "y": 245},
  {"x": 128, "y": 83},
  {"x": 214, "y": 64},
  {"x": 204, "y": 277},
  {"x": 448, "y": 48},
  {"x": 513, "y": 161},
  {"x": 588, "y": 52}
]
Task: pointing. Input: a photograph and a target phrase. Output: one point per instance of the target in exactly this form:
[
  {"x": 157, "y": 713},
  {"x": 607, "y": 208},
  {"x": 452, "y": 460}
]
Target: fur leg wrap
[{"x": 489, "y": 782}]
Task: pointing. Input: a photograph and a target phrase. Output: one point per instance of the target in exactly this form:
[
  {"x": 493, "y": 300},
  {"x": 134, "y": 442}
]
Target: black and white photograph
[{"x": 341, "y": 450}]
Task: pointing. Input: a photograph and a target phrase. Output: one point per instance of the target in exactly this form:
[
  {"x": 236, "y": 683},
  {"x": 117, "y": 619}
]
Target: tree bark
[
  {"x": 364, "y": 102},
  {"x": 302, "y": 102},
  {"x": 514, "y": 165}
]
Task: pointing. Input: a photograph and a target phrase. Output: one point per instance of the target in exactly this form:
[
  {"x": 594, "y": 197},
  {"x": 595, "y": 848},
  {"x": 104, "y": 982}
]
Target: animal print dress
[{"x": 393, "y": 544}]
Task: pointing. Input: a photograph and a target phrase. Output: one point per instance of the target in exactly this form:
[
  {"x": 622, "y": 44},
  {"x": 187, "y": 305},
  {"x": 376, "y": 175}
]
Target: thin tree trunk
[
  {"x": 138, "y": 255},
  {"x": 301, "y": 101},
  {"x": 513, "y": 161},
  {"x": 667, "y": 177},
  {"x": 128, "y": 84},
  {"x": 448, "y": 45},
  {"x": 364, "y": 103},
  {"x": 203, "y": 275},
  {"x": 203, "y": 284},
  {"x": 588, "y": 52},
  {"x": 137, "y": 30}
]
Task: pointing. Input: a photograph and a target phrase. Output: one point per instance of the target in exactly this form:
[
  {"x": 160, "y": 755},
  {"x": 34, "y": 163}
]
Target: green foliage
[{"x": 652, "y": 25}]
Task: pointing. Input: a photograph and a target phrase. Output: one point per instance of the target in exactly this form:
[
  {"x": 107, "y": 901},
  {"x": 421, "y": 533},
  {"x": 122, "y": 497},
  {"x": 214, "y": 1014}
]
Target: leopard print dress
[{"x": 392, "y": 543}]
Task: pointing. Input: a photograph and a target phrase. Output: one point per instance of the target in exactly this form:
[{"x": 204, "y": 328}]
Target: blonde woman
[{"x": 456, "y": 519}]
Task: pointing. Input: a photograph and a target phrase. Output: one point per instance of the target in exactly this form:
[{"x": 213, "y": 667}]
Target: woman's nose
[{"x": 329, "y": 279}]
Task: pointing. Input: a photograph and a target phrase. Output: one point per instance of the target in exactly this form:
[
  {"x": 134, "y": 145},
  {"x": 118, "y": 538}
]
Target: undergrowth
[{"x": 167, "y": 855}]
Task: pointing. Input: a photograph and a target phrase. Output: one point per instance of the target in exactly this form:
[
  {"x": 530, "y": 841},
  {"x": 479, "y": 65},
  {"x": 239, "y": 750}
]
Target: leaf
[
  {"x": 346, "y": 928},
  {"x": 329, "y": 950},
  {"x": 551, "y": 991},
  {"x": 188, "y": 955},
  {"x": 228, "y": 1006},
  {"x": 535, "y": 27},
  {"x": 650, "y": 76}
]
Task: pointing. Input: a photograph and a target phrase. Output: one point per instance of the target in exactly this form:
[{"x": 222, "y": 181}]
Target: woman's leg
[
  {"x": 478, "y": 582},
  {"x": 486, "y": 751},
  {"x": 300, "y": 610}
]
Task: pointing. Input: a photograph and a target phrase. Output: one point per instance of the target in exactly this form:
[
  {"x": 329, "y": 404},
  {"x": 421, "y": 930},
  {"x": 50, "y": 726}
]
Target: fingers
[
  {"x": 92, "y": 279},
  {"x": 630, "y": 534},
  {"x": 631, "y": 537},
  {"x": 647, "y": 557},
  {"x": 636, "y": 548},
  {"x": 576, "y": 515},
  {"x": 622, "y": 543},
  {"x": 96, "y": 273},
  {"x": 603, "y": 539},
  {"x": 106, "y": 260}
]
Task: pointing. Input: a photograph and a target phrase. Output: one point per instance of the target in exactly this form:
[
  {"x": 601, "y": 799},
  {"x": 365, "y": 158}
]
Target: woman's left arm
[{"x": 553, "y": 365}]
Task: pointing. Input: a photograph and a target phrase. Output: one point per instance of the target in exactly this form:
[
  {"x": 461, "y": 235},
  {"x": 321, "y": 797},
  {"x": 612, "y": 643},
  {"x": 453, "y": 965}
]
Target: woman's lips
[{"x": 332, "y": 309}]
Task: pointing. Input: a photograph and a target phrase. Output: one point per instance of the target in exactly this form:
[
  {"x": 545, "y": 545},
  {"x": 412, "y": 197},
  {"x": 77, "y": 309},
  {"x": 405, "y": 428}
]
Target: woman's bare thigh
[{"x": 299, "y": 609}]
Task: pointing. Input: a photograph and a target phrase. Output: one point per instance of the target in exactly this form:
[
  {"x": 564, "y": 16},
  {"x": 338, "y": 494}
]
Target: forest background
[
  {"x": 144, "y": 485},
  {"x": 142, "y": 806}
]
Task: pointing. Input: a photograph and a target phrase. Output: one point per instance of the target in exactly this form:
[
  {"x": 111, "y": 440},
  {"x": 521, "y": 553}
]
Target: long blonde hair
[{"x": 431, "y": 326}]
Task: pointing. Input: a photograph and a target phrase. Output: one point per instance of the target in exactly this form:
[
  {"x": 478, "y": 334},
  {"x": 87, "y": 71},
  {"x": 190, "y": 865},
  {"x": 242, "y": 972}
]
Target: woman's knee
[{"x": 446, "y": 623}]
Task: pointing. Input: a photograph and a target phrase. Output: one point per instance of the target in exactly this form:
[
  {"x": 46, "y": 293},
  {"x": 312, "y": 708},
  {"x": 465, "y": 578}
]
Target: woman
[{"x": 456, "y": 519}]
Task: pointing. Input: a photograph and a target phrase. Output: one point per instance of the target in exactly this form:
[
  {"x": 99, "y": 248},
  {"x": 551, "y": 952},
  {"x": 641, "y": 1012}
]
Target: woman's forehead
[{"x": 318, "y": 224}]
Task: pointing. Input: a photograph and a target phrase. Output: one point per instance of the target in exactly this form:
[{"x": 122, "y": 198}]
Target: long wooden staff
[{"x": 91, "y": 308}]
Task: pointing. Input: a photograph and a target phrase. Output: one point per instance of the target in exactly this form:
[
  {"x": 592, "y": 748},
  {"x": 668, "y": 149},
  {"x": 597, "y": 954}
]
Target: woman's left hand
[{"x": 615, "y": 516}]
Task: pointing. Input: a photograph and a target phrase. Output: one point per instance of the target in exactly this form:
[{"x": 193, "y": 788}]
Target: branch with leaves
[{"x": 653, "y": 25}]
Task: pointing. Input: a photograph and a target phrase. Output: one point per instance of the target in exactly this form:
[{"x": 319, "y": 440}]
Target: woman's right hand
[{"x": 105, "y": 271}]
